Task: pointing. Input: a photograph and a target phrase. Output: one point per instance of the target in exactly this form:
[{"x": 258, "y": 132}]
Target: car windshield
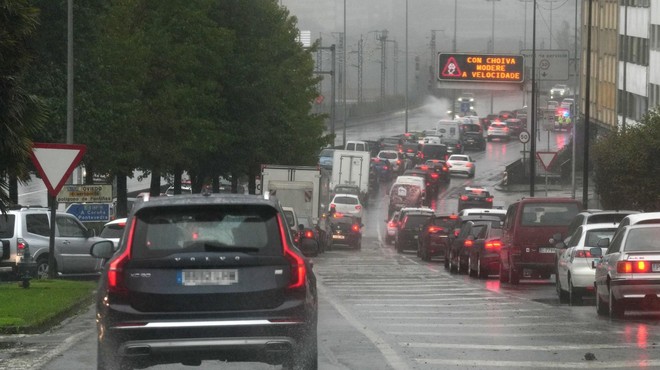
[{"x": 593, "y": 236}]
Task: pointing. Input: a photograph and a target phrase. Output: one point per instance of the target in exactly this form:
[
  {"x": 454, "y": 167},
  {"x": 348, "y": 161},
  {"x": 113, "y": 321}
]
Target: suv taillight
[
  {"x": 435, "y": 229},
  {"x": 468, "y": 243},
  {"x": 21, "y": 246},
  {"x": 355, "y": 227},
  {"x": 493, "y": 245},
  {"x": 582, "y": 254},
  {"x": 116, "y": 283},
  {"x": 297, "y": 264}
]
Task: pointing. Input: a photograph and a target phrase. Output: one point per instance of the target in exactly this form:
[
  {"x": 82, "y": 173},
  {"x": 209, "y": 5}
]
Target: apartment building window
[
  {"x": 634, "y": 50},
  {"x": 655, "y": 37},
  {"x": 636, "y": 3},
  {"x": 654, "y": 96}
]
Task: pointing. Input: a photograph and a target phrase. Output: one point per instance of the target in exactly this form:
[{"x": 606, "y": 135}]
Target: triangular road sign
[
  {"x": 451, "y": 68},
  {"x": 55, "y": 163},
  {"x": 546, "y": 158}
]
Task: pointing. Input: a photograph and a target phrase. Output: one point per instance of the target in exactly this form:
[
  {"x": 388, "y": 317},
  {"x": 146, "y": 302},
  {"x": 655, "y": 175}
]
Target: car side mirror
[
  {"x": 596, "y": 252},
  {"x": 603, "y": 243},
  {"x": 102, "y": 249}
]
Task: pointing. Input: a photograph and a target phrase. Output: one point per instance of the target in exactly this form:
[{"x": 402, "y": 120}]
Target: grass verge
[{"x": 44, "y": 304}]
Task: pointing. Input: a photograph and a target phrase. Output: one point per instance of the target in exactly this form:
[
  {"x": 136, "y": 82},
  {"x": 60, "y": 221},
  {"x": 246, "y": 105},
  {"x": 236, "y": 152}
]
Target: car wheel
[
  {"x": 574, "y": 296},
  {"x": 561, "y": 293},
  {"x": 425, "y": 255},
  {"x": 388, "y": 240},
  {"x": 459, "y": 264},
  {"x": 601, "y": 308},
  {"x": 617, "y": 308},
  {"x": 504, "y": 274},
  {"x": 446, "y": 261},
  {"x": 452, "y": 267},
  {"x": 514, "y": 276},
  {"x": 359, "y": 245},
  {"x": 42, "y": 267}
]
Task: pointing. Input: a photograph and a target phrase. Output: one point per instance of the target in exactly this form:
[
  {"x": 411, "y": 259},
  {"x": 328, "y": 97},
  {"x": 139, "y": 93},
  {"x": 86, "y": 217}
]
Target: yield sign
[
  {"x": 546, "y": 158},
  {"x": 55, "y": 163}
]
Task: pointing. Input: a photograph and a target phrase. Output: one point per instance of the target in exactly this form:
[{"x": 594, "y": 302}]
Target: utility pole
[
  {"x": 360, "y": 67},
  {"x": 395, "y": 74},
  {"x": 587, "y": 113},
  {"x": 331, "y": 72},
  {"x": 382, "y": 37},
  {"x": 532, "y": 146}
]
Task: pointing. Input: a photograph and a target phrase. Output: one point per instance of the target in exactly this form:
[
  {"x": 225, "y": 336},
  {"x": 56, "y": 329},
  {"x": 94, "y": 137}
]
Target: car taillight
[
  {"x": 469, "y": 164},
  {"x": 21, "y": 246},
  {"x": 493, "y": 245},
  {"x": 309, "y": 234},
  {"x": 358, "y": 207},
  {"x": 297, "y": 264},
  {"x": 332, "y": 206},
  {"x": 391, "y": 224},
  {"x": 424, "y": 167},
  {"x": 434, "y": 229},
  {"x": 468, "y": 243},
  {"x": 421, "y": 155},
  {"x": 434, "y": 175},
  {"x": 582, "y": 254},
  {"x": 464, "y": 197},
  {"x": 355, "y": 227},
  {"x": 398, "y": 161},
  {"x": 627, "y": 267},
  {"x": 489, "y": 200},
  {"x": 456, "y": 232},
  {"x": 384, "y": 167},
  {"x": 116, "y": 283}
]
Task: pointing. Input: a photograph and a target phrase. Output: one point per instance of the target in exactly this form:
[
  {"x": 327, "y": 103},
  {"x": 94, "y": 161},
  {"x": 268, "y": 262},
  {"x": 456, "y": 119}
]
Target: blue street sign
[{"x": 90, "y": 212}]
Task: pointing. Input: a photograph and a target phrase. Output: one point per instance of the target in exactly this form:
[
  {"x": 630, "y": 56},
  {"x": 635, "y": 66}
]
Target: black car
[
  {"x": 459, "y": 252},
  {"x": 454, "y": 146},
  {"x": 474, "y": 140},
  {"x": 433, "y": 151},
  {"x": 206, "y": 277},
  {"x": 484, "y": 255},
  {"x": 391, "y": 143},
  {"x": 474, "y": 197},
  {"x": 436, "y": 236},
  {"x": 411, "y": 150},
  {"x": 442, "y": 168},
  {"x": 345, "y": 230},
  {"x": 408, "y": 233}
]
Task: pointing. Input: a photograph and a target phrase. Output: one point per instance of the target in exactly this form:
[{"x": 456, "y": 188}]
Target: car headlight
[{"x": 471, "y": 99}]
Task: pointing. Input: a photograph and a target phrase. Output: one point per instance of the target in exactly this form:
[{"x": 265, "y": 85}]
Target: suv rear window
[
  {"x": 554, "y": 214},
  {"x": 161, "y": 231},
  {"x": 346, "y": 200},
  {"x": 7, "y": 226},
  {"x": 415, "y": 221}
]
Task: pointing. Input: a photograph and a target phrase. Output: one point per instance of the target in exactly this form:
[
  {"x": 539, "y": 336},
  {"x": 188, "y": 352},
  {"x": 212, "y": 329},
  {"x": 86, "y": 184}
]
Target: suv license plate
[
  {"x": 546, "y": 250},
  {"x": 207, "y": 277},
  {"x": 338, "y": 237},
  {"x": 655, "y": 267}
]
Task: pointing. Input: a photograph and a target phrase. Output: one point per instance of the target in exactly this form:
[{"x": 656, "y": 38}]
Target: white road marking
[
  {"x": 502, "y": 335},
  {"x": 451, "y": 313},
  {"x": 487, "y": 317},
  {"x": 481, "y": 325},
  {"x": 508, "y": 347}
]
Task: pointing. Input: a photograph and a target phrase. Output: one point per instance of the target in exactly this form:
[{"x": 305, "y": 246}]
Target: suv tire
[
  {"x": 514, "y": 276},
  {"x": 42, "y": 267},
  {"x": 504, "y": 274}
]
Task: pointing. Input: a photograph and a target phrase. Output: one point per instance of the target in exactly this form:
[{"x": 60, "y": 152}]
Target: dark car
[
  {"x": 193, "y": 281},
  {"x": 505, "y": 115},
  {"x": 436, "y": 236},
  {"x": 474, "y": 197},
  {"x": 411, "y": 150},
  {"x": 484, "y": 255},
  {"x": 382, "y": 168},
  {"x": 433, "y": 175},
  {"x": 442, "y": 168},
  {"x": 433, "y": 151},
  {"x": 515, "y": 126},
  {"x": 458, "y": 228},
  {"x": 345, "y": 230},
  {"x": 473, "y": 140},
  {"x": 454, "y": 146},
  {"x": 325, "y": 158},
  {"x": 485, "y": 121},
  {"x": 408, "y": 233},
  {"x": 391, "y": 143},
  {"x": 459, "y": 251}
]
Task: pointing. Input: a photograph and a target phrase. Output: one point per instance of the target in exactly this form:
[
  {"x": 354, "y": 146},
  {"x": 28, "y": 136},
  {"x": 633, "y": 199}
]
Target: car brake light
[
  {"x": 21, "y": 246},
  {"x": 434, "y": 175},
  {"x": 391, "y": 224},
  {"x": 298, "y": 269},
  {"x": 355, "y": 227},
  {"x": 332, "y": 205},
  {"x": 628, "y": 267},
  {"x": 421, "y": 155},
  {"x": 424, "y": 167},
  {"x": 493, "y": 245},
  {"x": 464, "y": 197},
  {"x": 116, "y": 283},
  {"x": 434, "y": 229},
  {"x": 309, "y": 234},
  {"x": 358, "y": 207},
  {"x": 384, "y": 167},
  {"x": 456, "y": 232},
  {"x": 468, "y": 243},
  {"x": 469, "y": 164},
  {"x": 398, "y": 161},
  {"x": 453, "y": 217},
  {"x": 489, "y": 200},
  {"x": 583, "y": 254}
]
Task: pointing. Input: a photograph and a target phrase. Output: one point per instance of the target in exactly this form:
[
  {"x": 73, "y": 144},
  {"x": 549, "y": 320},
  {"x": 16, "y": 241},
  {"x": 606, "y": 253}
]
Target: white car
[
  {"x": 575, "y": 273},
  {"x": 394, "y": 158},
  {"x": 560, "y": 90},
  {"x": 114, "y": 230},
  {"x": 461, "y": 164},
  {"x": 347, "y": 204},
  {"x": 498, "y": 130}
]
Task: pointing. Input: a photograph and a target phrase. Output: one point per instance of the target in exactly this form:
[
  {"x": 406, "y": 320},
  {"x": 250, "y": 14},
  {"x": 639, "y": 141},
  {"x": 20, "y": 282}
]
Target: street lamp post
[
  {"x": 344, "y": 78},
  {"x": 406, "y": 64}
]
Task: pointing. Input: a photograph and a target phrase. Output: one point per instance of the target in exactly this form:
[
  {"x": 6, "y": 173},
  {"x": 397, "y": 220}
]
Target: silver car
[
  {"x": 575, "y": 270},
  {"x": 628, "y": 274}
]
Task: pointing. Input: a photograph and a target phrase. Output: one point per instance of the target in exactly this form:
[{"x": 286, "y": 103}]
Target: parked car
[
  {"x": 409, "y": 229},
  {"x": 628, "y": 274},
  {"x": 436, "y": 236},
  {"x": 347, "y": 204},
  {"x": 498, "y": 130},
  {"x": 474, "y": 196},
  {"x": 345, "y": 230},
  {"x": 226, "y": 247},
  {"x": 530, "y": 224},
  {"x": 461, "y": 164},
  {"x": 575, "y": 269},
  {"x": 27, "y": 229},
  {"x": 474, "y": 140},
  {"x": 484, "y": 251}
]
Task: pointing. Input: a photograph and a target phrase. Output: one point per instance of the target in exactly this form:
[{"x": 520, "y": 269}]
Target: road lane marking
[
  {"x": 504, "y": 335},
  {"x": 451, "y": 313},
  {"x": 481, "y": 325},
  {"x": 488, "y": 317},
  {"x": 508, "y": 347}
]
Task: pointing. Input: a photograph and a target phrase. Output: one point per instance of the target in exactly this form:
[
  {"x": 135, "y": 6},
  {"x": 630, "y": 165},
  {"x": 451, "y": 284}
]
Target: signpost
[
  {"x": 551, "y": 65},
  {"x": 55, "y": 163},
  {"x": 90, "y": 212},
  {"x": 546, "y": 159},
  {"x": 97, "y": 193},
  {"x": 480, "y": 67}
]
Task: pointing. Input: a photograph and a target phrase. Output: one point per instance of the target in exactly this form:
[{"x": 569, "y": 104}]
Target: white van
[
  {"x": 359, "y": 146},
  {"x": 448, "y": 129}
]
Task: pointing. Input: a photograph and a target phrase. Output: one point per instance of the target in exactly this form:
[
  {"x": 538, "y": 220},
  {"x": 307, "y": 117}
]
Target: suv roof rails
[{"x": 16, "y": 207}]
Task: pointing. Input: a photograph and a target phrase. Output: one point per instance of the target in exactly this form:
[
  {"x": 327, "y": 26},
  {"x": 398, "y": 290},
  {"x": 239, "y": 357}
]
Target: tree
[
  {"x": 21, "y": 114},
  {"x": 626, "y": 166}
]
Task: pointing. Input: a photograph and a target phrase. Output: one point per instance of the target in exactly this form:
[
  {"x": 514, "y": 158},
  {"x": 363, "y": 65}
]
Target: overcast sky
[{"x": 473, "y": 27}]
